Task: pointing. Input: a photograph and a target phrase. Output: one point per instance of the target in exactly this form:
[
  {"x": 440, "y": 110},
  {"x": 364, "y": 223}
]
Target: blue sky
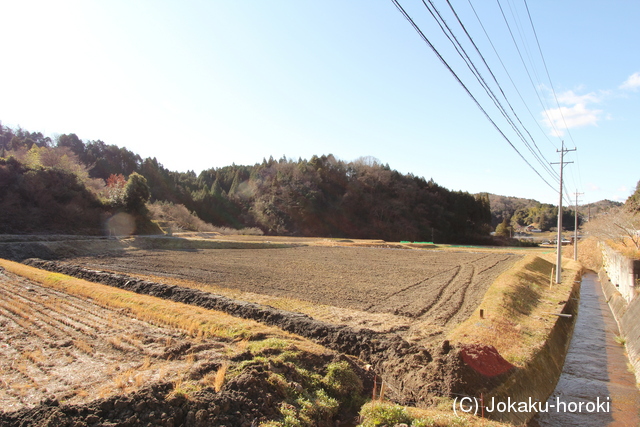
[{"x": 201, "y": 84}]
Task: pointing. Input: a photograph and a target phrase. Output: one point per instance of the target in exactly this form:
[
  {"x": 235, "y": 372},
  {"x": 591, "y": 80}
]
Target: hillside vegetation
[
  {"x": 520, "y": 212},
  {"x": 322, "y": 196},
  {"x": 619, "y": 228},
  {"x": 45, "y": 199}
]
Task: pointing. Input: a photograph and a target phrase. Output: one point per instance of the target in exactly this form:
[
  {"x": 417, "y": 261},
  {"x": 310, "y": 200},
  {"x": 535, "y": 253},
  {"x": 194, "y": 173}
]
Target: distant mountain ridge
[
  {"x": 509, "y": 207},
  {"x": 322, "y": 196}
]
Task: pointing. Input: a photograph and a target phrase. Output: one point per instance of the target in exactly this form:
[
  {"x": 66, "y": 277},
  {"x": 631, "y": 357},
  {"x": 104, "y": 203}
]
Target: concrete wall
[
  {"x": 627, "y": 314},
  {"x": 623, "y": 272}
]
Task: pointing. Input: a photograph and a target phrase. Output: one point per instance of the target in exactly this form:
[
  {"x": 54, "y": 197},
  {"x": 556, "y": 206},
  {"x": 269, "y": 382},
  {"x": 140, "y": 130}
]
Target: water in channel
[{"x": 595, "y": 370}]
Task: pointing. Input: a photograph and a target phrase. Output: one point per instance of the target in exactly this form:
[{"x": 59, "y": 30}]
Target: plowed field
[
  {"x": 376, "y": 288},
  {"x": 57, "y": 347}
]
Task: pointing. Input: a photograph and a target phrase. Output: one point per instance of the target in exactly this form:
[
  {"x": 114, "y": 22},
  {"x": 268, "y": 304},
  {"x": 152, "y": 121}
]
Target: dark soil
[
  {"x": 414, "y": 374},
  {"x": 430, "y": 286},
  {"x": 245, "y": 401}
]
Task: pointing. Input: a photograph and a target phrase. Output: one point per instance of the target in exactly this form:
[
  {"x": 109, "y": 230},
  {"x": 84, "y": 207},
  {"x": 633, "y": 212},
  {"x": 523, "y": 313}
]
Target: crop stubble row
[{"x": 54, "y": 343}]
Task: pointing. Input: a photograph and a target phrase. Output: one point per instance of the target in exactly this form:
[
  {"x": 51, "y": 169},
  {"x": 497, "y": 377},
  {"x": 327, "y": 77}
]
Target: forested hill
[
  {"x": 522, "y": 212},
  {"x": 321, "y": 196}
]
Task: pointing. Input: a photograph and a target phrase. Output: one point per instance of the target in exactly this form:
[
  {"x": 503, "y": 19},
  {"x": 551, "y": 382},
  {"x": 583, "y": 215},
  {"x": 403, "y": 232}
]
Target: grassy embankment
[{"x": 520, "y": 308}]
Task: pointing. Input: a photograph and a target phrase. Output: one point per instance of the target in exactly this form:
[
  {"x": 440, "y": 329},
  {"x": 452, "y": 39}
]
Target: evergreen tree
[
  {"x": 136, "y": 194},
  {"x": 504, "y": 229},
  {"x": 216, "y": 188}
]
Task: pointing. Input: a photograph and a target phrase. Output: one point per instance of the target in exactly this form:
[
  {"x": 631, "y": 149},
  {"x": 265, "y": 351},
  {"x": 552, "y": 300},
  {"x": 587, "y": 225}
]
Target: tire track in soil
[
  {"x": 394, "y": 302},
  {"x": 454, "y": 296},
  {"x": 463, "y": 293},
  {"x": 492, "y": 266},
  {"x": 443, "y": 300},
  {"x": 474, "y": 292},
  {"x": 442, "y": 288}
]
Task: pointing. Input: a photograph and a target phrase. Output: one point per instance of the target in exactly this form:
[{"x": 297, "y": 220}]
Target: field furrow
[{"x": 348, "y": 285}]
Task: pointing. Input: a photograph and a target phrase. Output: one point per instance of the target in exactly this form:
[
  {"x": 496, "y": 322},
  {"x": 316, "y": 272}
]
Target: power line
[
  {"x": 546, "y": 108},
  {"x": 547, "y": 71},
  {"x": 544, "y": 62},
  {"x": 444, "y": 62},
  {"x": 540, "y": 158},
  {"x": 509, "y": 76}
]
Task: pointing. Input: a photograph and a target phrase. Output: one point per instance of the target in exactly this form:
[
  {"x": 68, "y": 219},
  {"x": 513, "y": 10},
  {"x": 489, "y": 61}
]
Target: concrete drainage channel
[{"x": 596, "y": 387}]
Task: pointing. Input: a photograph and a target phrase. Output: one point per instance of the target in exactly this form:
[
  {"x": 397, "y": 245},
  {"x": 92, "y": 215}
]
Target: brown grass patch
[
  {"x": 625, "y": 246},
  {"x": 194, "y": 320},
  {"x": 589, "y": 253}
]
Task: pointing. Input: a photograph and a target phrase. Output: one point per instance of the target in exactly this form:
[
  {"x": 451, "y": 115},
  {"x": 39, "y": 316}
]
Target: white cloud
[
  {"x": 632, "y": 83},
  {"x": 622, "y": 194},
  {"x": 574, "y": 114},
  {"x": 570, "y": 98}
]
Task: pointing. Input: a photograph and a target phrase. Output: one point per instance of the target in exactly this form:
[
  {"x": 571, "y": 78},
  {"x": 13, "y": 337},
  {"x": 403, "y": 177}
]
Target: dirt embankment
[
  {"x": 413, "y": 373},
  {"x": 246, "y": 398}
]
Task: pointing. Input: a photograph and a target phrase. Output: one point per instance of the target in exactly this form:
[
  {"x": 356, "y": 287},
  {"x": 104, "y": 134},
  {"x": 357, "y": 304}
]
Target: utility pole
[
  {"x": 559, "y": 246},
  {"x": 575, "y": 229}
]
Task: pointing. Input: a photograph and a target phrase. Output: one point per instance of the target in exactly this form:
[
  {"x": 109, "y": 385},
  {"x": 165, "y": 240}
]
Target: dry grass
[
  {"x": 519, "y": 309},
  {"x": 83, "y": 346},
  {"x": 218, "y": 380},
  {"x": 589, "y": 253},
  {"x": 36, "y": 356},
  {"x": 194, "y": 320},
  {"x": 445, "y": 417},
  {"x": 626, "y": 247},
  {"x": 378, "y": 413}
]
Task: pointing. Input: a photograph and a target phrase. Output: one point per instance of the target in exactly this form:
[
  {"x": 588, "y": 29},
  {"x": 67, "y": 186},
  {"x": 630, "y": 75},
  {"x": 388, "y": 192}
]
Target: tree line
[
  {"x": 517, "y": 212},
  {"x": 322, "y": 196},
  {"x": 620, "y": 226}
]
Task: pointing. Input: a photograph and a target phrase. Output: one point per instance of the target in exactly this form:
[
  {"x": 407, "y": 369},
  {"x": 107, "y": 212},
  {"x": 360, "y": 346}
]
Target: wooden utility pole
[
  {"x": 575, "y": 229},
  {"x": 559, "y": 246}
]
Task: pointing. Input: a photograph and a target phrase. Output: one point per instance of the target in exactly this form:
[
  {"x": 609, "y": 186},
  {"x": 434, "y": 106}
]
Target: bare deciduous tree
[{"x": 621, "y": 225}]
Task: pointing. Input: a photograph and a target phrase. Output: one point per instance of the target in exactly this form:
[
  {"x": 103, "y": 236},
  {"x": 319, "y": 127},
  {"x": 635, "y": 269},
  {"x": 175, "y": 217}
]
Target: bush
[
  {"x": 247, "y": 231},
  {"x": 343, "y": 383},
  {"x": 382, "y": 413},
  {"x": 45, "y": 200},
  {"x": 310, "y": 400}
]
